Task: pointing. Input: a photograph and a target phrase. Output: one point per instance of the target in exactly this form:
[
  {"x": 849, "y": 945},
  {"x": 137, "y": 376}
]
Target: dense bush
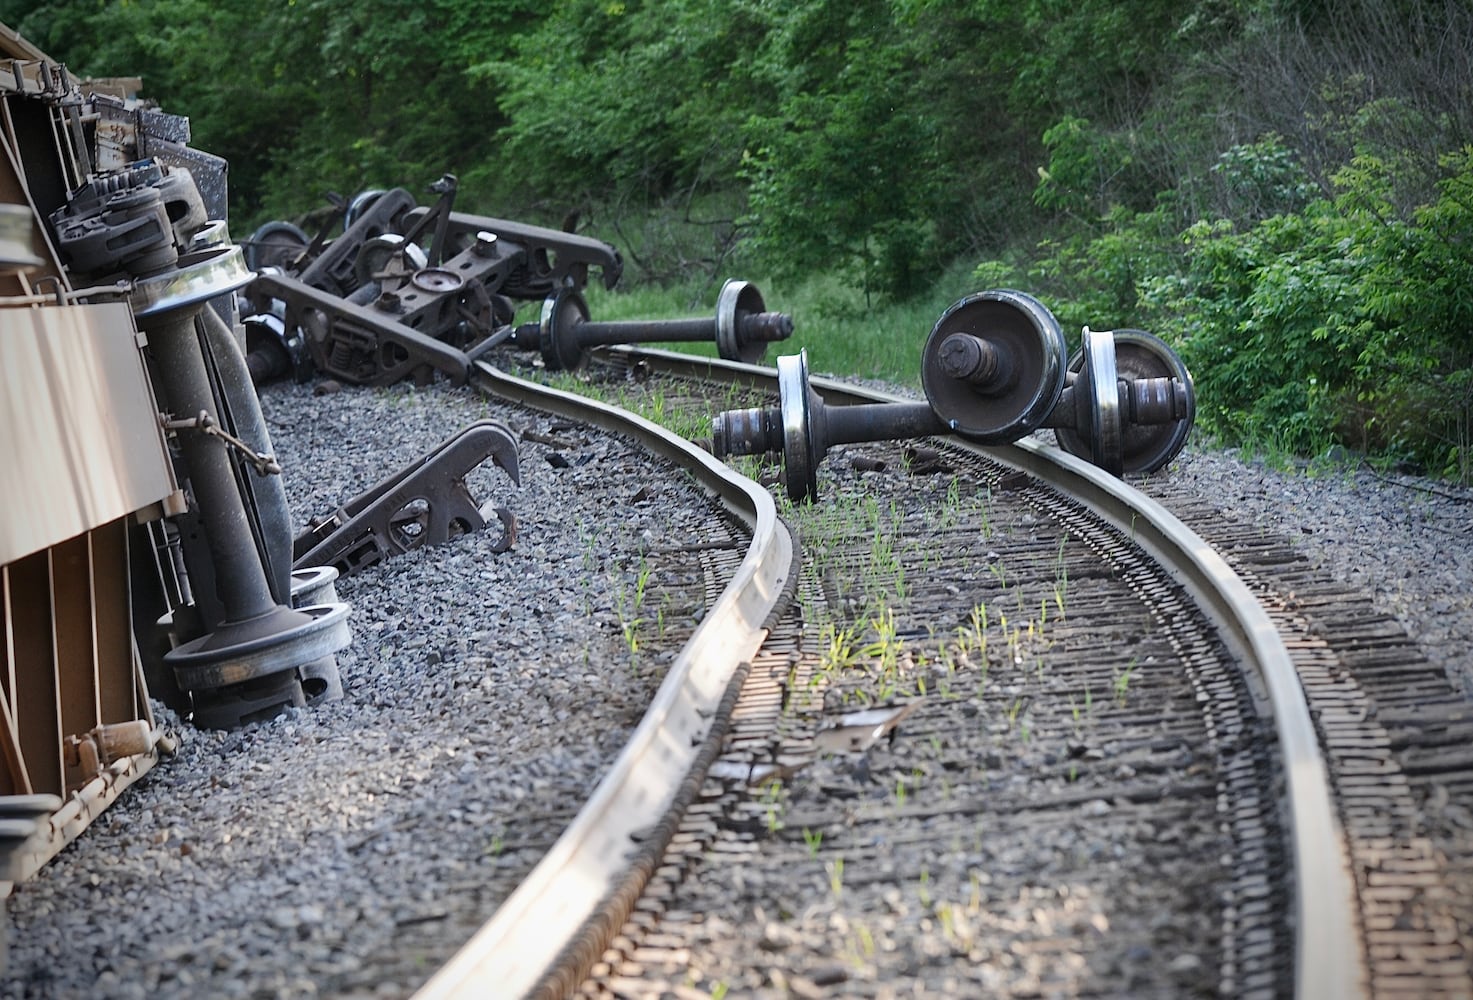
[{"x": 1333, "y": 320}]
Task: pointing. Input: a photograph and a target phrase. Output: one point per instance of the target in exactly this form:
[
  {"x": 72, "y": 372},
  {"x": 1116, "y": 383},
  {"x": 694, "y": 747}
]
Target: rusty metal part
[
  {"x": 90, "y": 752},
  {"x": 279, "y": 641},
  {"x": 374, "y": 308},
  {"x": 273, "y": 350},
  {"x": 1157, "y": 404},
  {"x": 1144, "y": 421},
  {"x": 334, "y": 269},
  {"x": 981, "y": 387},
  {"x": 426, "y": 503},
  {"x": 275, "y": 244},
  {"x": 316, "y": 585},
  {"x": 803, "y": 427},
  {"x": 1095, "y": 411},
  {"x": 412, "y": 321},
  {"x": 741, "y": 328},
  {"x": 360, "y": 344},
  {"x": 388, "y": 260},
  {"x": 992, "y": 369},
  {"x": 546, "y": 259},
  {"x": 993, "y": 366}
]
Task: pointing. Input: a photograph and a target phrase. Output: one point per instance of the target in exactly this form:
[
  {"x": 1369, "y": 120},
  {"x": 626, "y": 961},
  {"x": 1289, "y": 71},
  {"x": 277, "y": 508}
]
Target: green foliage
[
  {"x": 843, "y": 168},
  {"x": 1341, "y": 323},
  {"x": 1263, "y": 179},
  {"x": 605, "y": 96},
  {"x": 305, "y": 96},
  {"x": 1280, "y": 190},
  {"x": 1309, "y": 320}
]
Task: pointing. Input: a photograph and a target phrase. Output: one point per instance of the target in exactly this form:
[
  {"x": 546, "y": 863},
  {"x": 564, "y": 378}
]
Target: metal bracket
[
  {"x": 424, "y": 504},
  {"x": 266, "y": 465}
]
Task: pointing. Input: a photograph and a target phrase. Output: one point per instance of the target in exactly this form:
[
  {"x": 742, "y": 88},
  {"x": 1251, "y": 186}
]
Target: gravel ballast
[{"x": 484, "y": 695}]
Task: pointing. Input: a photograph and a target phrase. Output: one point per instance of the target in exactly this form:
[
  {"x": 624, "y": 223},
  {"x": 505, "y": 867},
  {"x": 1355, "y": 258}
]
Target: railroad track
[
  {"x": 1281, "y": 821},
  {"x": 1007, "y": 728}
]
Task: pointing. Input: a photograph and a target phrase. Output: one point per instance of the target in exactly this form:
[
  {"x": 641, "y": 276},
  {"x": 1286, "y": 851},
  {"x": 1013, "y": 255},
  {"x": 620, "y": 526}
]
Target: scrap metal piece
[
  {"x": 333, "y": 270},
  {"x": 547, "y": 259},
  {"x": 373, "y": 308},
  {"x": 426, "y": 503},
  {"x": 856, "y": 732},
  {"x": 360, "y": 344}
]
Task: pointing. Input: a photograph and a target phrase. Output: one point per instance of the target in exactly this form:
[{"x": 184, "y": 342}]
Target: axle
[{"x": 741, "y": 328}]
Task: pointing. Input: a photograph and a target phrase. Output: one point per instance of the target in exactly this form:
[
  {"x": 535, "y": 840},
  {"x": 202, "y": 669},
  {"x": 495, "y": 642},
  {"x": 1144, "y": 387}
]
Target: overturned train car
[{"x": 147, "y": 546}]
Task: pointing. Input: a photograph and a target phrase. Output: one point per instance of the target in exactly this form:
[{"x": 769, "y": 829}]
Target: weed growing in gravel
[
  {"x": 835, "y": 869},
  {"x": 972, "y": 637},
  {"x": 1079, "y": 715},
  {"x": 838, "y": 650},
  {"x": 691, "y": 424},
  {"x": 772, "y": 804},
  {"x": 1061, "y": 575},
  {"x": 1014, "y": 710},
  {"x": 886, "y": 647},
  {"x": 984, "y": 506},
  {"x": 662, "y": 614},
  {"x": 951, "y": 506},
  {"x": 629, "y": 608},
  {"x": 814, "y": 840},
  {"x": 833, "y": 534},
  {"x": 999, "y": 572},
  {"x": 1122, "y": 681}
]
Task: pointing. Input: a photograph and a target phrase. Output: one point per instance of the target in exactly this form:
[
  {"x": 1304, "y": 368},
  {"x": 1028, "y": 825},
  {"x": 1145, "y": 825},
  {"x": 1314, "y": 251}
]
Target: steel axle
[
  {"x": 993, "y": 372},
  {"x": 741, "y": 328},
  {"x": 803, "y": 427}
]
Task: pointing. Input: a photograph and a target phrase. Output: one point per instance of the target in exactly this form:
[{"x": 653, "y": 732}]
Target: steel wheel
[{"x": 1028, "y": 377}]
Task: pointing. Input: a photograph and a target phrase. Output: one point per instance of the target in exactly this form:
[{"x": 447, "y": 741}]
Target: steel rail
[
  {"x": 519, "y": 951},
  {"x": 1329, "y": 960}
]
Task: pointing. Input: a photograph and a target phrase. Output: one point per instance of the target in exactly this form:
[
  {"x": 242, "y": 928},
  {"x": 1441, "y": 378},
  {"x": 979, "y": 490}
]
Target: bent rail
[{"x": 541, "y": 935}]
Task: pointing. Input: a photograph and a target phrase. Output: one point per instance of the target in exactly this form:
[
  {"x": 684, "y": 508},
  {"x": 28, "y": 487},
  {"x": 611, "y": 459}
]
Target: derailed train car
[{"x": 146, "y": 546}]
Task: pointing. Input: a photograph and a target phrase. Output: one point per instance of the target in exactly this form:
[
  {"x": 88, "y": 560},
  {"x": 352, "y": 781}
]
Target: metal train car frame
[{"x": 145, "y": 545}]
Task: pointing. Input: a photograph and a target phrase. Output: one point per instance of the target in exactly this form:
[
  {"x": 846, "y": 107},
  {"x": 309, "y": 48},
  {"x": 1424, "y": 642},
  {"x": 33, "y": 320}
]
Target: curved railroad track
[
  {"x": 978, "y": 720},
  {"x": 1101, "y": 506}
]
